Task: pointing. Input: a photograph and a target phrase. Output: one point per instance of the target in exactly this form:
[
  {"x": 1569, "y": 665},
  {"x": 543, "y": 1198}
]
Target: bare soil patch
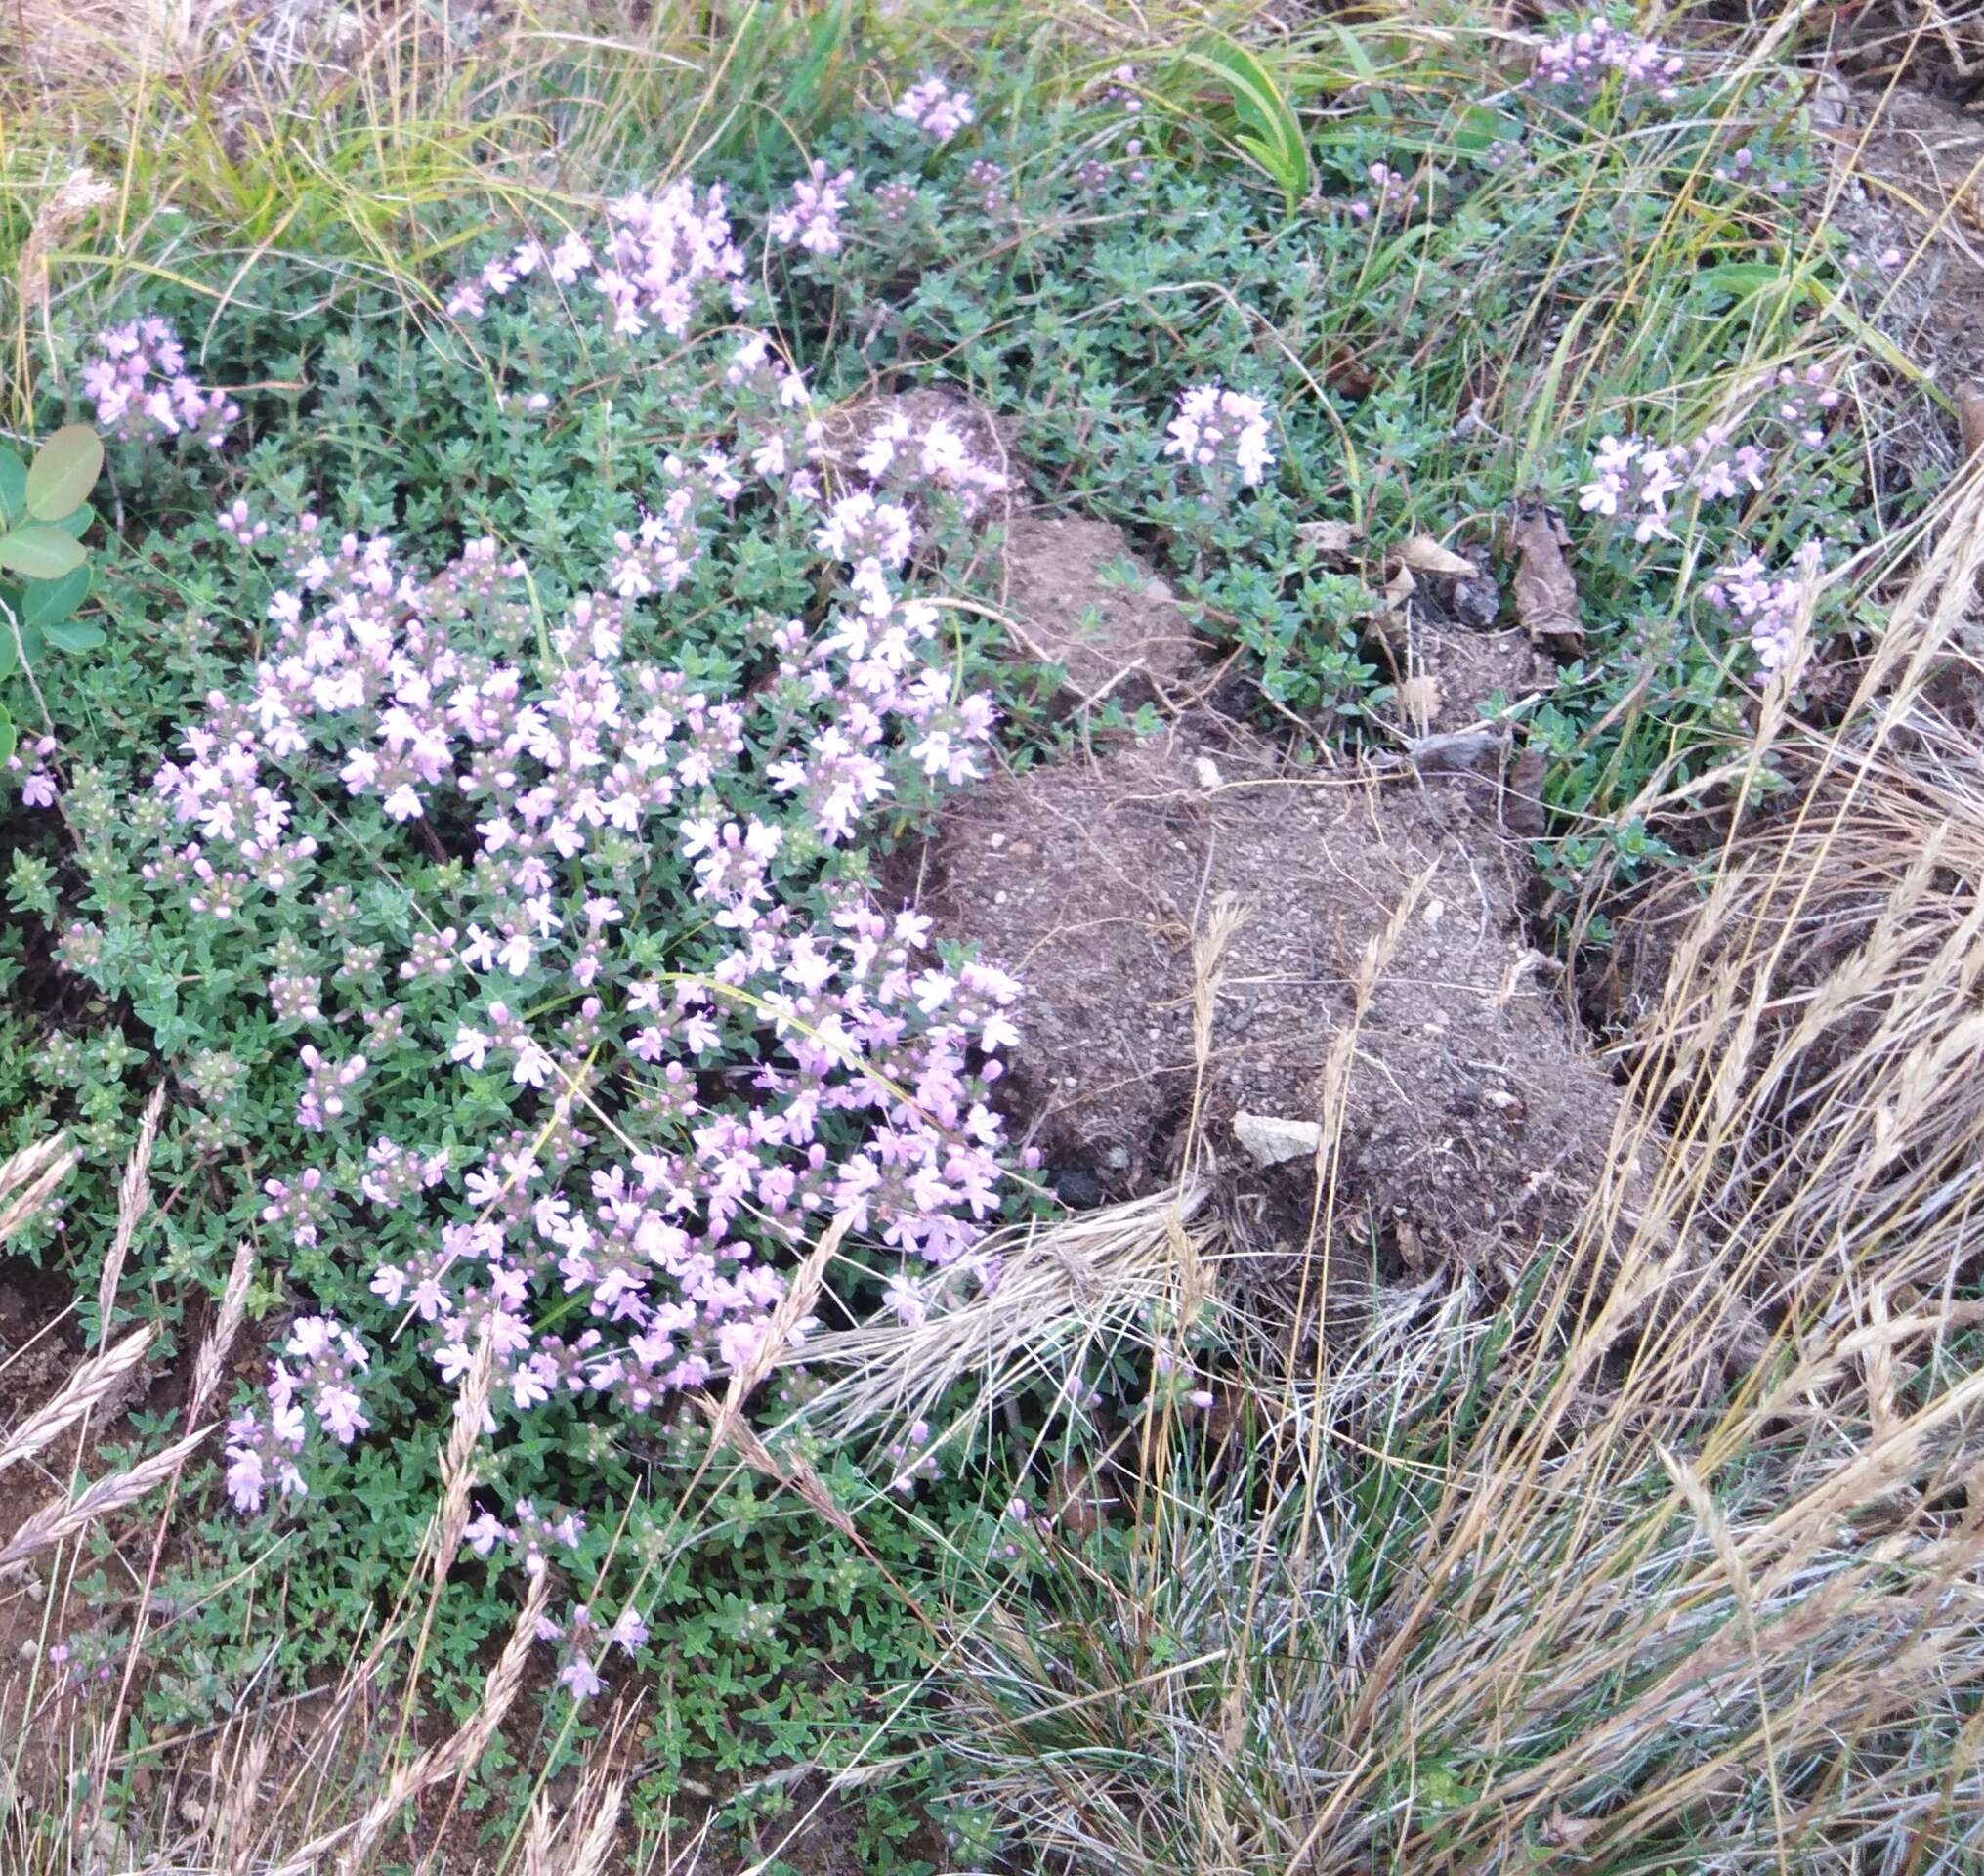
[
  {"x": 1077, "y": 594},
  {"x": 1916, "y": 189},
  {"x": 1384, "y": 913}
]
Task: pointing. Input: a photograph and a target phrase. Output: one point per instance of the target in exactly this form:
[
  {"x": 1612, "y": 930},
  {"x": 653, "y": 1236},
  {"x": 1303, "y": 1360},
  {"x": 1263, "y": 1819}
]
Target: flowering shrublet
[
  {"x": 1634, "y": 480},
  {"x": 912, "y": 458},
  {"x": 1217, "y": 429},
  {"x": 700, "y": 1040},
  {"x": 1770, "y": 607},
  {"x": 811, "y": 218},
  {"x": 660, "y": 258},
  {"x": 938, "y": 111},
  {"x": 1393, "y": 191},
  {"x": 141, "y": 389},
  {"x": 31, "y": 761},
  {"x": 263, "y": 1450},
  {"x": 1581, "y": 61}
]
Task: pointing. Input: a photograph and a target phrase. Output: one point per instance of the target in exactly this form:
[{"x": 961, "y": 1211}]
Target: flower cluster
[
  {"x": 529, "y": 1539},
  {"x": 910, "y": 460},
  {"x": 1392, "y": 192},
  {"x": 1630, "y": 477},
  {"x": 38, "y": 788},
  {"x": 141, "y": 389},
  {"x": 262, "y": 1453},
  {"x": 699, "y": 1037},
  {"x": 935, "y": 108},
  {"x": 1770, "y": 607},
  {"x": 582, "y": 1640},
  {"x": 1634, "y": 479},
  {"x": 1580, "y": 62},
  {"x": 1217, "y": 429},
  {"x": 811, "y": 218},
  {"x": 659, "y": 260}
]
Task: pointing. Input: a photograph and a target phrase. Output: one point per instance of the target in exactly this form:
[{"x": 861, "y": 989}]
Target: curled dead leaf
[
  {"x": 1545, "y": 592},
  {"x": 1970, "y": 418},
  {"x": 1522, "y": 808},
  {"x": 1424, "y": 555},
  {"x": 1330, "y": 539}
]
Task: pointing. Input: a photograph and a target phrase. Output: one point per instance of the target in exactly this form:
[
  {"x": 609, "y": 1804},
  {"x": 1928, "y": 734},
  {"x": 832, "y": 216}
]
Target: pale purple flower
[
  {"x": 935, "y": 108},
  {"x": 811, "y": 218},
  {"x": 1217, "y": 429}
]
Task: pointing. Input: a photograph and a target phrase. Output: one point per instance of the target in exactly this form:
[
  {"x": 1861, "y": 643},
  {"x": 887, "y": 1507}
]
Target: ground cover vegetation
[{"x": 535, "y": 1332}]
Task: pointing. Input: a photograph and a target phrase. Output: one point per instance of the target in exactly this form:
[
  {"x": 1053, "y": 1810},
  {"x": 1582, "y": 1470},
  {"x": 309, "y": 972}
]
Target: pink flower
[
  {"x": 1216, "y": 429},
  {"x": 935, "y": 108}
]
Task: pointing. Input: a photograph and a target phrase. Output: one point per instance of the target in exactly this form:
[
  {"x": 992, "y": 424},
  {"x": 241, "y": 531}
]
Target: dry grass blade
[
  {"x": 599, "y": 1817},
  {"x": 779, "y": 1342},
  {"x": 28, "y": 1178},
  {"x": 63, "y": 211},
  {"x": 1058, "y": 1281},
  {"x": 454, "y": 1755},
  {"x": 212, "y": 1358},
  {"x": 233, "y": 1829},
  {"x": 134, "y": 1201},
  {"x": 97, "y": 1380},
  {"x": 457, "y": 1470},
  {"x": 64, "y": 1519}
]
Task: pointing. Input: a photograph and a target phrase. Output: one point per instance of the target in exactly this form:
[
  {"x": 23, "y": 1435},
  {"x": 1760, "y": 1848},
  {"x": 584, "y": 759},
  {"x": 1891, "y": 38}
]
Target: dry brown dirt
[{"x": 1471, "y": 1114}]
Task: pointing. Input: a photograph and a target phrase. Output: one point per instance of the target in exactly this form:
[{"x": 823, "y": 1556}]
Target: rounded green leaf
[
  {"x": 64, "y": 471},
  {"x": 48, "y": 602},
  {"x": 13, "y": 486},
  {"x": 74, "y": 635},
  {"x": 40, "y": 552}
]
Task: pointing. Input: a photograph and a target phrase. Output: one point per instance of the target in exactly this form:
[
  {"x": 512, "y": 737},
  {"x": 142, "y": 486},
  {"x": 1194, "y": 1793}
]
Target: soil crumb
[{"x": 1369, "y": 961}]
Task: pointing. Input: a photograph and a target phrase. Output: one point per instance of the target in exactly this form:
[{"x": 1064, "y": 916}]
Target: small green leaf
[
  {"x": 48, "y": 602},
  {"x": 38, "y": 551},
  {"x": 64, "y": 470},
  {"x": 13, "y": 486},
  {"x": 1739, "y": 278},
  {"x": 9, "y": 657},
  {"x": 6, "y": 734},
  {"x": 74, "y": 635}
]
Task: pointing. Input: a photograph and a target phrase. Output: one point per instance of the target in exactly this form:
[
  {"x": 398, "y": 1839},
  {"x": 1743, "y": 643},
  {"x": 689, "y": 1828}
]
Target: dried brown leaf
[
  {"x": 1545, "y": 592},
  {"x": 1330, "y": 539},
  {"x": 1424, "y": 555},
  {"x": 1970, "y": 418}
]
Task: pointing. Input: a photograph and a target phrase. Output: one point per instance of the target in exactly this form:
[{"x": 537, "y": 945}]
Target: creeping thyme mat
[{"x": 475, "y": 794}]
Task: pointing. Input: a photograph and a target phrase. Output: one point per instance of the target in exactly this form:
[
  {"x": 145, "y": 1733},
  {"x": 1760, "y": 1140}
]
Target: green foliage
[{"x": 44, "y": 513}]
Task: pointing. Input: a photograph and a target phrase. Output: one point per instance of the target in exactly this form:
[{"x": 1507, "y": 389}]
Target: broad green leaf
[
  {"x": 9, "y": 655},
  {"x": 74, "y": 635},
  {"x": 38, "y": 551},
  {"x": 13, "y": 486},
  {"x": 48, "y": 602},
  {"x": 1270, "y": 134},
  {"x": 76, "y": 524},
  {"x": 64, "y": 470}
]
